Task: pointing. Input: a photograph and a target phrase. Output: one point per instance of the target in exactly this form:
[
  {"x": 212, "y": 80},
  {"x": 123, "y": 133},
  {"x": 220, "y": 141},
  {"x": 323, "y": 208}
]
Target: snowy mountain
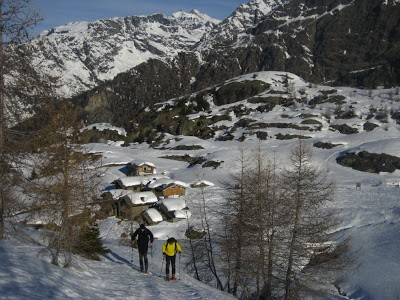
[
  {"x": 84, "y": 54},
  {"x": 235, "y": 30},
  {"x": 342, "y": 42}
]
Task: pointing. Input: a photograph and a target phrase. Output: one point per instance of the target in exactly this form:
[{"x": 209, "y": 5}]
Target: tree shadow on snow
[{"x": 114, "y": 257}]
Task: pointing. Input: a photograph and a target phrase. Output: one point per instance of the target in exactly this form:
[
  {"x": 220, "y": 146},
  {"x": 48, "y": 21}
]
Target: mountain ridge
[
  {"x": 85, "y": 54},
  {"x": 337, "y": 42}
]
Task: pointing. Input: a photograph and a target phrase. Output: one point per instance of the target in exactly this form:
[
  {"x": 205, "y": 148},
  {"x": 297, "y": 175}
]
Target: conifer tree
[{"x": 89, "y": 242}]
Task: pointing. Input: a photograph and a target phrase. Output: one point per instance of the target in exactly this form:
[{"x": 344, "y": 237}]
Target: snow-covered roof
[
  {"x": 140, "y": 198},
  {"x": 117, "y": 193},
  {"x": 202, "y": 183},
  {"x": 133, "y": 180},
  {"x": 181, "y": 183},
  {"x": 105, "y": 126},
  {"x": 166, "y": 181},
  {"x": 155, "y": 177},
  {"x": 141, "y": 180},
  {"x": 160, "y": 181},
  {"x": 182, "y": 214},
  {"x": 154, "y": 215},
  {"x": 141, "y": 163},
  {"x": 172, "y": 204}
]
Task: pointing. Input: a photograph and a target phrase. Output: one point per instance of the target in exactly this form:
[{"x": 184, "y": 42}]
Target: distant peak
[
  {"x": 194, "y": 14},
  {"x": 195, "y": 11},
  {"x": 263, "y": 5}
]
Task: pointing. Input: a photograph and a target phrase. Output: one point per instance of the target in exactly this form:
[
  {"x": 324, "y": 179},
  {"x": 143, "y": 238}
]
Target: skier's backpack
[{"x": 171, "y": 240}]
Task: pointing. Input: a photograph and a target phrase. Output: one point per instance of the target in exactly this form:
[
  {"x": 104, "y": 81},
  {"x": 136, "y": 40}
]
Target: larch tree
[
  {"x": 233, "y": 240},
  {"x": 262, "y": 219},
  {"x": 258, "y": 194},
  {"x": 276, "y": 229},
  {"x": 267, "y": 219},
  {"x": 249, "y": 225},
  {"x": 306, "y": 190},
  {"x": 204, "y": 249},
  {"x": 65, "y": 182},
  {"x": 16, "y": 19}
]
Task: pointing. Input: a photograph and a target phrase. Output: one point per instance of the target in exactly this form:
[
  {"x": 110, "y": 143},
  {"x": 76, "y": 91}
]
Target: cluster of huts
[{"x": 145, "y": 196}]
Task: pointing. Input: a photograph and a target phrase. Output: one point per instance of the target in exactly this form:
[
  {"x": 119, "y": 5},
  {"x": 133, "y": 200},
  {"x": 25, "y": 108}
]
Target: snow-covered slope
[
  {"x": 25, "y": 273},
  {"x": 370, "y": 216}
]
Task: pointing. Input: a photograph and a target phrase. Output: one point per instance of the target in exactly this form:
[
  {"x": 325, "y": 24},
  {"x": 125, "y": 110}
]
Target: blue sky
[{"x": 59, "y": 12}]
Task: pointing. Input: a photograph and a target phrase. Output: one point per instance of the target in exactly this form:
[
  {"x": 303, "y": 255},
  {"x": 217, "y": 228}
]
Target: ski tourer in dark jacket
[{"x": 144, "y": 237}]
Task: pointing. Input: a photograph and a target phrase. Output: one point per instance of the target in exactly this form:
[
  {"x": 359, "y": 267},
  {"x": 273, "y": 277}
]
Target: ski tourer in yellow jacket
[
  {"x": 171, "y": 247},
  {"x": 169, "y": 250}
]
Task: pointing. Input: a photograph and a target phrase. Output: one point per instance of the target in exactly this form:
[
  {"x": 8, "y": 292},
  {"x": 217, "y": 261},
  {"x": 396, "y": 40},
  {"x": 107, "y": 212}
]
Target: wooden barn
[
  {"x": 201, "y": 184},
  {"x": 174, "y": 209},
  {"x": 113, "y": 194},
  {"x": 140, "y": 168},
  {"x": 133, "y": 183},
  {"x": 152, "y": 216},
  {"x": 132, "y": 204},
  {"x": 137, "y": 183},
  {"x": 168, "y": 188},
  {"x": 109, "y": 198}
]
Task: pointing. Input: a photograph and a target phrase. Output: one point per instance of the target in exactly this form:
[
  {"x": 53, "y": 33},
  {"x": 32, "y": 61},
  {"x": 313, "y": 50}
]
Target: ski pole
[
  {"x": 131, "y": 239},
  {"x": 151, "y": 250},
  {"x": 162, "y": 265},
  {"x": 179, "y": 266},
  {"x": 151, "y": 254}
]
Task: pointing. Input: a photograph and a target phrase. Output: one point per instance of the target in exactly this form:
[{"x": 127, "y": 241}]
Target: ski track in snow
[
  {"x": 144, "y": 286},
  {"x": 25, "y": 273}
]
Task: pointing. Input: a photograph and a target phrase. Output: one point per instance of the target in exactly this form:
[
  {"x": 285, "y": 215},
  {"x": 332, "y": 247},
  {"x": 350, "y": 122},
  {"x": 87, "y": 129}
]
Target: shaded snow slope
[{"x": 26, "y": 274}]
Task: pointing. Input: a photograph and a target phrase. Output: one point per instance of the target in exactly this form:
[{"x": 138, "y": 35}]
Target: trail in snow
[{"x": 26, "y": 273}]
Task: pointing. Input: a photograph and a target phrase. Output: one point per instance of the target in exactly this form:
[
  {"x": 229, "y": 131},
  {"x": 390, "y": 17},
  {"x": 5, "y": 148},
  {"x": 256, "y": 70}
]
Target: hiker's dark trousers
[
  {"x": 144, "y": 263},
  {"x": 169, "y": 260}
]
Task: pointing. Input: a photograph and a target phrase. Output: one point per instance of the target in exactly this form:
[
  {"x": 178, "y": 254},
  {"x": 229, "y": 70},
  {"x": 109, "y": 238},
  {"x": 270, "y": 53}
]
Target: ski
[
  {"x": 146, "y": 273},
  {"x": 171, "y": 280}
]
